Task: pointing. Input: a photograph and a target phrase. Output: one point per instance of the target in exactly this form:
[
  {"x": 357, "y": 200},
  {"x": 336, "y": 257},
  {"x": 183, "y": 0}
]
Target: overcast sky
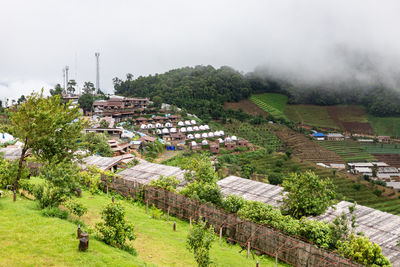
[{"x": 314, "y": 38}]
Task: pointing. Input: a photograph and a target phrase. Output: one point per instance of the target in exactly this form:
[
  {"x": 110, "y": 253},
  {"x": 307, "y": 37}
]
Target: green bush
[
  {"x": 377, "y": 192},
  {"x": 169, "y": 183},
  {"x": 275, "y": 178},
  {"x": 199, "y": 241},
  {"x": 55, "y": 212},
  {"x": 115, "y": 229},
  {"x": 233, "y": 203},
  {"x": 48, "y": 195},
  {"x": 75, "y": 208}
]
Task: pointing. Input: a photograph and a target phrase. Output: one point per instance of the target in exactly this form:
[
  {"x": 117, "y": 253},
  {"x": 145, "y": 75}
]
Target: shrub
[
  {"x": 363, "y": 251},
  {"x": 377, "y": 192},
  {"x": 75, "y": 208},
  {"x": 357, "y": 187},
  {"x": 205, "y": 192},
  {"x": 48, "y": 195},
  {"x": 233, "y": 203},
  {"x": 54, "y": 212},
  {"x": 379, "y": 182},
  {"x": 199, "y": 241},
  {"x": 115, "y": 229},
  {"x": 275, "y": 178},
  {"x": 169, "y": 183}
]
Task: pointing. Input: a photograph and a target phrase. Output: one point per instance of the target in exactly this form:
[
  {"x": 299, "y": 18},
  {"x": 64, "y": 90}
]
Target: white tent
[
  {"x": 204, "y": 135},
  {"x": 197, "y": 136},
  {"x": 181, "y": 123},
  {"x": 234, "y": 138},
  {"x": 183, "y": 130},
  {"x": 193, "y": 122},
  {"x": 220, "y": 140},
  {"x": 150, "y": 126},
  {"x": 201, "y": 128},
  {"x": 206, "y": 127},
  {"x": 159, "y": 125},
  {"x": 190, "y": 136},
  {"x": 211, "y": 134},
  {"x": 143, "y": 126},
  {"x": 159, "y": 131},
  {"x": 194, "y": 143},
  {"x": 187, "y": 123},
  {"x": 196, "y": 128},
  {"x": 6, "y": 137},
  {"x": 165, "y": 131},
  {"x": 228, "y": 140},
  {"x": 217, "y": 133},
  {"x": 172, "y": 130},
  {"x": 204, "y": 142},
  {"x": 189, "y": 129},
  {"x": 168, "y": 124},
  {"x": 222, "y": 133}
]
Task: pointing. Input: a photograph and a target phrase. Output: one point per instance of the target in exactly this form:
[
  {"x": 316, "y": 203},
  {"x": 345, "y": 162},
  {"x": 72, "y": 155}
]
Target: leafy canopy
[
  {"x": 307, "y": 194},
  {"x": 199, "y": 241}
]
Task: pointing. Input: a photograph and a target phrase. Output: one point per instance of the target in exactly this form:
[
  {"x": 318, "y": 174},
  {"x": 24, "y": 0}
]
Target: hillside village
[{"x": 134, "y": 126}]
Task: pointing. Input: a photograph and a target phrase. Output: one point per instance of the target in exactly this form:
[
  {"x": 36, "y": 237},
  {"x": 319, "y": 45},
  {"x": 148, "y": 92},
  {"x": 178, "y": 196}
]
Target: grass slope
[
  {"x": 30, "y": 239},
  {"x": 385, "y": 126},
  {"x": 271, "y": 103},
  {"x": 349, "y": 150}
]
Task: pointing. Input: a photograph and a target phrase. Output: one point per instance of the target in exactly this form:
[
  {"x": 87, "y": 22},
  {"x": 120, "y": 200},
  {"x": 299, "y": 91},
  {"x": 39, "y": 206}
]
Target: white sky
[{"x": 38, "y": 38}]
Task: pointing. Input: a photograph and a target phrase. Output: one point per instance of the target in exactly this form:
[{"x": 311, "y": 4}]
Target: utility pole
[
  {"x": 66, "y": 76},
  {"x": 97, "y": 54},
  {"x": 63, "y": 71}
]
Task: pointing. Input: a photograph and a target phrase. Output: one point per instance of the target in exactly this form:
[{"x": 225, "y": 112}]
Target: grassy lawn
[
  {"x": 29, "y": 239},
  {"x": 273, "y": 104},
  {"x": 385, "y": 125},
  {"x": 311, "y": 115}
]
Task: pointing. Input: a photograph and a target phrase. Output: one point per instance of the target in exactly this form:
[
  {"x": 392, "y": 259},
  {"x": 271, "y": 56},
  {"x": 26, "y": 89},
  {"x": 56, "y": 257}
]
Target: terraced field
[
  {"x": 312, "y": 115},
  {"x": 273, "y": 104},
  {"x": 385, "y": 126},
  {"x": 382, "y": 148},
  {"x": 349, "y": 151},
  {"x": 258, "y": 135},
  {"x": 305, "y": 148},
  {"x": 391, "y": 159}
]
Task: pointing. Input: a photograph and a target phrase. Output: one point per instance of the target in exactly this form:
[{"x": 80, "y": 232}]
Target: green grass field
[
  {"x": 382, "y": 148},
  {"x": 311, "y": 115},
  {"x": 349, "y": 150},
  {"x": 29, "y": 239},
  {"x": 386, "y": 125}
]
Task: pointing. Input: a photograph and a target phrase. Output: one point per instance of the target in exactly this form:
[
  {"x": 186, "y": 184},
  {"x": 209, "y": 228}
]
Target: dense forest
[{"x": 203, "y": 90}]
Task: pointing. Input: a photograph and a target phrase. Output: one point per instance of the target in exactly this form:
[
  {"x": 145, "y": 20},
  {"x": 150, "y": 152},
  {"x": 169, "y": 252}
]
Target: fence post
[
  {"x": 257, "y": 264},
  {"x": 190, "y": 222},
  {"x": 14, "y": 195},
  {"x": 220, "y": 235},
  {"x": 174, "y": 226},
  {"x": 147, "y": 205},
  {"x": 276, "y": 259},
  {"x": 168, "y": 214},
  {"x": 248, "y": 249}
]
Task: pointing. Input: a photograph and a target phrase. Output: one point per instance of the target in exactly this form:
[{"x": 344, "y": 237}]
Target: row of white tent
[
  {"x": 206, "y": 135},
  {"x": 220, "y": 140},
  {"x": 187, "y": 123},
  {"x": 195, "y": 128},
  {"x": 157, "y": 125}
]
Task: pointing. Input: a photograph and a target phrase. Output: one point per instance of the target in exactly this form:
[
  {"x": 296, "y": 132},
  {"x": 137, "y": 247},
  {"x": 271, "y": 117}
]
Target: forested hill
[{"x": 203, "y": 90}]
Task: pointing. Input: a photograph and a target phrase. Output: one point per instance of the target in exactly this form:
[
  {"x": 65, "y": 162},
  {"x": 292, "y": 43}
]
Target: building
[
  {"x": 230, "y": 145},
  {"x": 319, "y": 136},
  {"x": 243, "y": 143},
  {"x": 214, "y": 148},
  {"x": 102, "y": 163},
  {"x": 335, "y": 137},
  {"x": 384, "y": 139}
]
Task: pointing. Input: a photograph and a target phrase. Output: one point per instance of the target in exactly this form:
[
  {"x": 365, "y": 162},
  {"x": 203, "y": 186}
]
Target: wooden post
[
  {"x": 107, "y": 190},
  {"x": 248, "y": 249},
  {"x": 15, "y": 196},
  {"x": 84, "y": 242},
  {"x": 257, "y": 264},
  {"x": 276, "y": 259},
  {"x": 147, "y": 205},
  {"x": 220, "y": 235},
  {"x": 168, "y": 214},
  {"x": 112, "y": 199},
  {"x": 174, "y": 226},
  {"x": 190, "y": 222},
  {"x": 79, "y": 232}
]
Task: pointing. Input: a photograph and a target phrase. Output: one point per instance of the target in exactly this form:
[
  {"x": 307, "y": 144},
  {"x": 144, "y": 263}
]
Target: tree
[
  {"x": 104, "y": 124},
  {"x": 157, "y": 101},
  {"x": 115, "y": 229},
  {"x": 166, "y": 182},
  {"x": 307, "y": 194},
  {"x": 57, "y": 90},
  {"x": 71, "y": 86},
  {"x": 85, "y": 101},
  {"x": 199, "y": 241},
  {"x": 96, "y": 143},
  {"x": 47, "y": 127},
  {"x": 88, "y": 88},
  {"x": 21, "y": 99}
]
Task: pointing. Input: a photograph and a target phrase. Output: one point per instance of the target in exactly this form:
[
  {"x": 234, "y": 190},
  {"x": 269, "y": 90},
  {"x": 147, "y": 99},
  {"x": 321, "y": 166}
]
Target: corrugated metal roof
[
  {"x": 12, "y": 153},
  {"x": 103, "y": 163},
  {"x": 251, "y": 190},
  {"x": 145, "y": 172},
  {"x": 381, "y": 227}
]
